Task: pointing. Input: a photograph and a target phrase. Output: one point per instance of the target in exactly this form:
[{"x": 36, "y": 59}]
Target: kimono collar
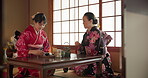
[
  {"x": 37, "y": 32},
  {"x": 93, "y": 28}
]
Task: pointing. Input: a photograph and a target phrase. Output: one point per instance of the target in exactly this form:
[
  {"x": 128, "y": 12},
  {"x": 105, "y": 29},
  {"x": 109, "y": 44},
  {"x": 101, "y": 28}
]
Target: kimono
[
  {"x": 30, "y": 39},
  {"x": 90, "y": 46}
]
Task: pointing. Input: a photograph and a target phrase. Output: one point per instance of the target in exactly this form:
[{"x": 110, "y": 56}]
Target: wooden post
[{"x": 10, "y": 71}]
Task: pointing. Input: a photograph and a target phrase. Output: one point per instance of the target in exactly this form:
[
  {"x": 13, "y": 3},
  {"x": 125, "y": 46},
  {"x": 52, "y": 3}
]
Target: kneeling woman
[
  {"x": 33, "y": 41},
  {"x": 90, "y": 45}
]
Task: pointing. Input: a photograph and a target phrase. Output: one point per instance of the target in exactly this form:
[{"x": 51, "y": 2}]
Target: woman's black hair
[
  {"x": 17, "y": 34},
  {"x": 90, "y": 16},
  {"x": 39, "y": 17}
]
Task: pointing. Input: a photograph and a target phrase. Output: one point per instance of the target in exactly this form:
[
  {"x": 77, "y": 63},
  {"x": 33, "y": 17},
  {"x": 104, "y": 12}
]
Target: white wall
[{"x": 136, "y": 39}]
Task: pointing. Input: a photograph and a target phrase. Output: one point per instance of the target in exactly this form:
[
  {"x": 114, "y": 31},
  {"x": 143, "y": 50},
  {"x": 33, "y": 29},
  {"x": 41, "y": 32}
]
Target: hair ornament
[
  {"x": 34, "y": 15},
  {"x": 98, "y": 25}
]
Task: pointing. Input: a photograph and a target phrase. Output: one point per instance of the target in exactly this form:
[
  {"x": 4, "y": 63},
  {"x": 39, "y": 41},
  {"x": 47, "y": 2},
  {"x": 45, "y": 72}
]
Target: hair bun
[{"x": 95, "y": 21}]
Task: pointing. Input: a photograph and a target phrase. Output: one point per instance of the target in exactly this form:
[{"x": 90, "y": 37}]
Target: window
[
  {"x": 68, "y": 24},
  {"x": 111, "y": 20}
]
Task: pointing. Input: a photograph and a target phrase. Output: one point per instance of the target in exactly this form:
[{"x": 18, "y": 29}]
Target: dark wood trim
[
  {"x": 50, "y": 22},
  {"x": 1, "y": 49},
  {"x": 114, "y": 49},
  {"x": 110, "y": 49},
  {"x": 100, "y": 14},
  {"x": 122, "y": 55}
]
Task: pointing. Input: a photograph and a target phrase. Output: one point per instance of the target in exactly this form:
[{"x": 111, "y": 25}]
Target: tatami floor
[
  {"x": 58, "y": 74},
  {"x": 70, "y": 74}
]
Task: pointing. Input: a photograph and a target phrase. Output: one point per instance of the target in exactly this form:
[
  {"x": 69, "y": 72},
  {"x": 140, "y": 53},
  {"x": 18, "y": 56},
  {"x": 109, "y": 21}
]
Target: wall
[
  {"x": 136, "y": 38},
  {"x": 1, "y": 54},
  {"x": 39, "y": 6},
  {"x": 15, "y": 17},
  {"x": 42, "y": 6},
  {"x": 115, "y": 58}
]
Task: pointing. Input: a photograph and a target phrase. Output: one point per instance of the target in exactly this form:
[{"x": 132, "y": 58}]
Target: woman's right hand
[
  {"x": 77, "y": 43},
  {"x": 36, "y": 52}
]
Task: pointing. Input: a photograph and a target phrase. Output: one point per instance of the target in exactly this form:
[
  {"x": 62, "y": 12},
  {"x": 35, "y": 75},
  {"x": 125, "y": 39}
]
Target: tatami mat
[{"x": 58, "y": 74}]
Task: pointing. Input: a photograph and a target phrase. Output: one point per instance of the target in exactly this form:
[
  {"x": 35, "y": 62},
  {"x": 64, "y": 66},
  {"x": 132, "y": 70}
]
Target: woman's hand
[
  {"x": 77, "y": 43},
  {"x": 36, "y": 52}
]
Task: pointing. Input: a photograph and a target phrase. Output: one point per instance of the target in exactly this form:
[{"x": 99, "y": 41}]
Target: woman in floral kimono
[
  {"x": 33, "y": 41},
  {"x": 90, "y": 44}
]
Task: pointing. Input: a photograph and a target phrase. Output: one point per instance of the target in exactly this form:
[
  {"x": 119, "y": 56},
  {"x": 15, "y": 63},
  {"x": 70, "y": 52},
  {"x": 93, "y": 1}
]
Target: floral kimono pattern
[
  {"x": 31, "y": 40},
  {"x": 89, "y": 46}
]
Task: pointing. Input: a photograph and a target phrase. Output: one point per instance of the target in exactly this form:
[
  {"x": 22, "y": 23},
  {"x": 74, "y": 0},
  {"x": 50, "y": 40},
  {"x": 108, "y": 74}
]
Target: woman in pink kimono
[
  {"x": 33, "y": 41},
  {"x": 90, "y": 46}
]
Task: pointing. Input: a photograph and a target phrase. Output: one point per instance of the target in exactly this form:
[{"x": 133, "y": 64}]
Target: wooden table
[{"x": 43, "y": 64}]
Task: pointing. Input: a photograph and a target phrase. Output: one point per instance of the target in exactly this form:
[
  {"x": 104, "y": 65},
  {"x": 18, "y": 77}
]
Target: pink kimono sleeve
[
  {"x": 46, "y": 45},
  {"x": 21, "y": 45}
]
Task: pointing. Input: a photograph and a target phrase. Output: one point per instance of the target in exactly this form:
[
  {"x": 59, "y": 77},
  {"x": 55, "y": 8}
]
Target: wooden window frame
[{"x": 111, "y": 49}]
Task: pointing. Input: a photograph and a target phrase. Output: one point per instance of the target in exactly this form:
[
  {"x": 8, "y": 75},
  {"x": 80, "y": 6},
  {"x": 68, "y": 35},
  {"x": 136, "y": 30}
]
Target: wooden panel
[
  {"x": 115, "y": 57},
  {"x": 1, "y": 55}
]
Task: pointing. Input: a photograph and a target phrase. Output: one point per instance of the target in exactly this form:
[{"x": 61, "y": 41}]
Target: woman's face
[
  {"x": 87, "y": 23},
  {"x": 39, "y": 26}
]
